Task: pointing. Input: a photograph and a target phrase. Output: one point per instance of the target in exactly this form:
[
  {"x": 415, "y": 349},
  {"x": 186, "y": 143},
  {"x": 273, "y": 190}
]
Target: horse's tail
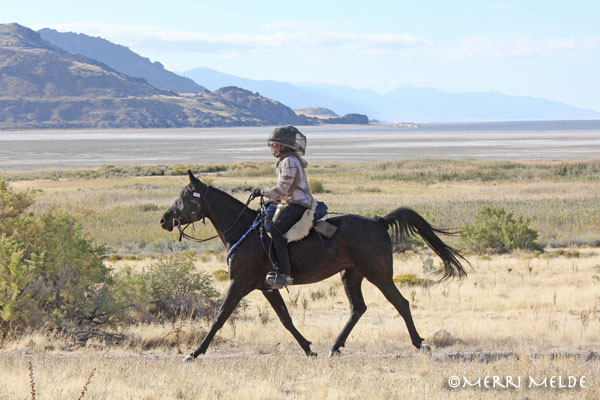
[{"x": 406, "y": 222}]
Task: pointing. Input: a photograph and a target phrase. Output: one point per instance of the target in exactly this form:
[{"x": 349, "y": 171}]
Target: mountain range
[
  {"x": 44, "y": 86},
  {"x": 54, "y": 79},
  {"x": 402, "y": 104},
  {"x": 121, "y": 59},
  {"x": 405, "y": 103}
]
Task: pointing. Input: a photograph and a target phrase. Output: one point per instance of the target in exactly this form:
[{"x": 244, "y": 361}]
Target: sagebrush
[
  {"x": 51, "y": 274},
  {"x": 496, "y": 230}
]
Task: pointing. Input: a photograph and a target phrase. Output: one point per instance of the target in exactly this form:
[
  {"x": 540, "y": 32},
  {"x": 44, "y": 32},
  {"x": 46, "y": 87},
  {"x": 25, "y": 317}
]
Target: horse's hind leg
[
  {"x": 352, "y": 280},
  {"x": 276, "y": 301},
  {"x": 393, "y": 295}
]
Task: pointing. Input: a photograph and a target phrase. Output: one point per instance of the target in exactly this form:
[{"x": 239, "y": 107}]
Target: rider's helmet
[{"x": 288, "y": 136}]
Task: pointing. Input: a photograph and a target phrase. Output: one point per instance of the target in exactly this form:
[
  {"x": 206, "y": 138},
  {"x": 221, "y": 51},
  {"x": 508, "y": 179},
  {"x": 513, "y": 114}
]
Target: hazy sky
[{"x": 548, "y": 48}]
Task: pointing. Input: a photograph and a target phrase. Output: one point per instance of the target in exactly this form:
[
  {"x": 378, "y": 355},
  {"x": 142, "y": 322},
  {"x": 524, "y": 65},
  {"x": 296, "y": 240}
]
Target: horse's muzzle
[
  {"x": 165, "y": 225},
  {"x": 168, "y": 222}
]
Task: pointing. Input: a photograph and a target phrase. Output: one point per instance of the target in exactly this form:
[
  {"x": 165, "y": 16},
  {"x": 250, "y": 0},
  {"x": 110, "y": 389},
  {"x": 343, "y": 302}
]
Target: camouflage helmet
[{"x": 288, "y": 136}]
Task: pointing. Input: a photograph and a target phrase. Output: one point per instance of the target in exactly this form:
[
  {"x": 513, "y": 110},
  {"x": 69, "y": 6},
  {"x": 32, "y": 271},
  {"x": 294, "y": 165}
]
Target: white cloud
[
  {"x": 478, "y": 46},
  {"x": 322, "y": 53},
  {"x": 318, "y": 42},
  {"x": 285, "y": 25}
]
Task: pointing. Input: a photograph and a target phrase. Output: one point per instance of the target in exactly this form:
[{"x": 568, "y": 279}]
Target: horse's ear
[{"x": 193, "y": 179}]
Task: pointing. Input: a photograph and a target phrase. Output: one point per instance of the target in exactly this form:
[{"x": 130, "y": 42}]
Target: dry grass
[
  {"x": 515, "y": 303},
  {"x": 123, "y": 213},
  {"x": 284, "y": 376},
  {"x": 520, "y": 303}
]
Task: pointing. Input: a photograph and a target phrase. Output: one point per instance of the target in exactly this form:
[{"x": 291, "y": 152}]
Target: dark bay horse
[{"x": 361, "y": 248}]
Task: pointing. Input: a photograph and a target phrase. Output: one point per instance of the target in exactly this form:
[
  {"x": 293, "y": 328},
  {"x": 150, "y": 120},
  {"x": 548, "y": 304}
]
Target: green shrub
[
  {"x": 570, "y": 253},
  {"x": 176, "y": 289},
  {"x": 14, "y": 278},
  {"x": 115, "y": 257},
  {"x": 12, "y": 205},
  {"x": 171, "y": 288},
  {"x": 411, "y": 280},
  {"x": 495, "y": 230},
  {"x": 51, "y": 274},
  {"x": 221, "y": 275},
  {"x": 316, "y": 186},
  {"x": 131, "y": 291}
]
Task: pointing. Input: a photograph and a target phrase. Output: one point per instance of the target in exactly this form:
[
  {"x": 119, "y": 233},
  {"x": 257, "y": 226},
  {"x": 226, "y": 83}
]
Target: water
[{"x": 23, "y": 150}]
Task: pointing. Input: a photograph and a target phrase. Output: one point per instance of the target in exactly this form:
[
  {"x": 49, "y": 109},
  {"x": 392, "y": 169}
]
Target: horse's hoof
[
  {"x": 311, "y": 354},
  {"x": 188, "y": 358},
  {"x": 425, "y": 349},
  {"x": 334, "y": 353}
]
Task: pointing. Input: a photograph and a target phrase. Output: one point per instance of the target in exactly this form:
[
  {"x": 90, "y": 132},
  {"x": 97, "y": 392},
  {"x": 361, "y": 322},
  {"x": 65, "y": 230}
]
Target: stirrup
[{"x": 277, "y": 281}]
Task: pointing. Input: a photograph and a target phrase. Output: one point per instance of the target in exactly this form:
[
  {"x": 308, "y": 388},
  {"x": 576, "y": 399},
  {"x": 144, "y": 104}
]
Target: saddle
[{"x": 313, "y": 218}]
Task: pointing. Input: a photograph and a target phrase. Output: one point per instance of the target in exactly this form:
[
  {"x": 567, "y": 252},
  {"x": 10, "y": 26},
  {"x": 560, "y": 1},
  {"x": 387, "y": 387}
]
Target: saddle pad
[{"x": 301, "y": 228}]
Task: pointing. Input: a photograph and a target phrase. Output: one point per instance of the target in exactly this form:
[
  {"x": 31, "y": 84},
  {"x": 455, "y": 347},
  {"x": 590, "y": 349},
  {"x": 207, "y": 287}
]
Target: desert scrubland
[{"x": 523, "y": 314}]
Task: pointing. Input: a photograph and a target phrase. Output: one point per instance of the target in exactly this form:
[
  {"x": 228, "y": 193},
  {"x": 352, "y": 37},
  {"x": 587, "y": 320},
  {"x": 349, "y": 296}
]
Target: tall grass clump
[
  {"x": 579, "y": 170},
  {"x": 495, "y": 230}
]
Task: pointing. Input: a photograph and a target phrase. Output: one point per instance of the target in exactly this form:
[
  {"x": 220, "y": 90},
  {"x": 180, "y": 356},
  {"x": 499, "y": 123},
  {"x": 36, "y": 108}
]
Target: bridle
[{"x": 201, "y": 196}]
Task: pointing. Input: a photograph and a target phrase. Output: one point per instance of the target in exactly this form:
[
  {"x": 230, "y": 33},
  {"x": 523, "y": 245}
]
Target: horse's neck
[{"x": 223, "y": 210}]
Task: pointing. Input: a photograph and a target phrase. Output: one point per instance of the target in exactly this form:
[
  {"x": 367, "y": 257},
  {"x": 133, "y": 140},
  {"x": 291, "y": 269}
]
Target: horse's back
[{"x": 357, "y": 240}]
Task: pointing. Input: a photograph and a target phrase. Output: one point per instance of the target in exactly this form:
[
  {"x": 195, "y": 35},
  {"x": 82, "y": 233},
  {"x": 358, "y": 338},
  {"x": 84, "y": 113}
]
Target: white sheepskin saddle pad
[{"x": 301, "y": 228}]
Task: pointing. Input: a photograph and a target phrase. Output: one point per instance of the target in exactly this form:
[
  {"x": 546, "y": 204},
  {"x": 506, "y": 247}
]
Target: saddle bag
[{"x": 325, "y": 228}]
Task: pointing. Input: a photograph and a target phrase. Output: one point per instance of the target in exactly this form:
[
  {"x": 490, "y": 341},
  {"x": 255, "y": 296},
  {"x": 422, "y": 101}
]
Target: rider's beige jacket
[{"x": 292, "y": 186}]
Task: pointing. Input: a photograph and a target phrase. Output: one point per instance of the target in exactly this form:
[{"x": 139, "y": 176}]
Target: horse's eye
[{"x": 179, "y": 204}]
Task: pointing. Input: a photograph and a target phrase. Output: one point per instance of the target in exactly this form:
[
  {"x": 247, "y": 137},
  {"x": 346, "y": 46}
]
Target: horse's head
[{"x": 188, "y": 207}]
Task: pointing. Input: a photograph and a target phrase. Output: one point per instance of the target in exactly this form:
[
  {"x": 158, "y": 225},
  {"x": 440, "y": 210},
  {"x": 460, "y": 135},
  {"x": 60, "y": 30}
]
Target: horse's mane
[{"x": 226, "y": 196}]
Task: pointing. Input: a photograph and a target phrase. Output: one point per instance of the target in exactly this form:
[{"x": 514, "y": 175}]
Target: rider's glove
[{"x": 256, "y": 193}]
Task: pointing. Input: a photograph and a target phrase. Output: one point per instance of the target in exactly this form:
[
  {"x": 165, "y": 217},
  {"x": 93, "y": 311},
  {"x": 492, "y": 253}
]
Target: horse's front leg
[
  {"x": 276, "y": 301},
  {"x": 236, "y": 292}
]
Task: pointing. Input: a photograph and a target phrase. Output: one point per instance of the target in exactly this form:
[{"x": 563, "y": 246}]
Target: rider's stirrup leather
[{"x": 277, "y": 281}]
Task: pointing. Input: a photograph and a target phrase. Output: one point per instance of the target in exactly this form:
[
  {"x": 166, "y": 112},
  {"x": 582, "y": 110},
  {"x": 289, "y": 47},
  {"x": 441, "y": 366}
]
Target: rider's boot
[{"x": 280, "y": 278}]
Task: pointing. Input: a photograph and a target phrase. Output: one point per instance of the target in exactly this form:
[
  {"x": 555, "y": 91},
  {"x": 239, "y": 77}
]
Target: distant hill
[
  {"x": 43, "y": 86},
  {"x": 319, "y": 112},
  {"x": 432, "y": 105},
  {"x": 32, "y": 67},
  {"x": 121, "y": 59},
  {"x": 402, "y": 104},
  {"x": 329, "y": 117},
  {"x": 286, "y": 93}
]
